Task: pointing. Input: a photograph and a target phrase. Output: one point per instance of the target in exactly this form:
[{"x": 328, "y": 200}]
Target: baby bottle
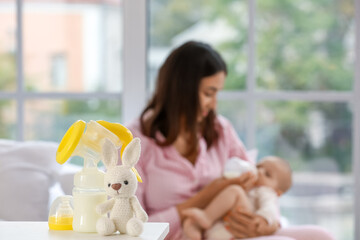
[
  {"x": 61, "y": 213},
  {"x": 235, "y": 167},
  {"x": 88, "y": 189}
]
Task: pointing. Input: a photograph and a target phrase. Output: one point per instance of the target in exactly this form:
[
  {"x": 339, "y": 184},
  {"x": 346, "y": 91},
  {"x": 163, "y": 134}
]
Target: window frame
[{"x": 356, "y": 122}]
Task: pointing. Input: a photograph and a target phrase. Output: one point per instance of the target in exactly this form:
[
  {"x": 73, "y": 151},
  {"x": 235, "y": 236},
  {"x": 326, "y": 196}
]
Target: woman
[{"x": 185, "y": 145}]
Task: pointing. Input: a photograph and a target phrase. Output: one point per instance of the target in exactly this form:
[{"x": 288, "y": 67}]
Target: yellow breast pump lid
[
  {"x": 75, "y": 139},
  {"x": 69, "y": 142}
]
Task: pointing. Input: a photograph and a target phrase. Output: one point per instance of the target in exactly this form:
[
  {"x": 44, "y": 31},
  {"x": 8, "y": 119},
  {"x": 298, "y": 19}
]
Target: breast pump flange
[{"x": 88, "y": 188}]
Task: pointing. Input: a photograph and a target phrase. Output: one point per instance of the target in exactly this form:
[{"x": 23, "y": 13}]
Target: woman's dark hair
[{"x": 176, "y": 95}]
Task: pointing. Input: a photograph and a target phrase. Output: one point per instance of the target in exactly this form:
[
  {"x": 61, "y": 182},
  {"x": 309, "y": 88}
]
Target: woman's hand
[
  {"x": 263, "y": 227},
  {"x": 244, "y": 224},
  {"x": 246, "y": 181}
]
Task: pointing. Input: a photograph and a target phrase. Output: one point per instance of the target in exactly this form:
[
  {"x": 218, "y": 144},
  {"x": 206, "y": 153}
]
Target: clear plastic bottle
[{"x": 88, "y": 192}]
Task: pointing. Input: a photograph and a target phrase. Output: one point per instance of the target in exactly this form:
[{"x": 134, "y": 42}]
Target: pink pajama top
[{"x": 170, "y": 179}]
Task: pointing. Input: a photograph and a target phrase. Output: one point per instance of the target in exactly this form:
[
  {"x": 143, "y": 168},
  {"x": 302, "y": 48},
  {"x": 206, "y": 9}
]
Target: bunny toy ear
[
  {"x": 110, "y": 154},
  {"x": 131, "y": 153}
]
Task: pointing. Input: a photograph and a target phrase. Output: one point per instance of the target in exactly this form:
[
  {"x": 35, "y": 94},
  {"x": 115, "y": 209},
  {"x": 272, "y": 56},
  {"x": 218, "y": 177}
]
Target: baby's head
[{"x": 275, "y": 173}]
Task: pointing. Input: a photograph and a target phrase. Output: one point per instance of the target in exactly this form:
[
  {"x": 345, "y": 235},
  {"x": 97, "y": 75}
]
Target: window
[
  {"x": 290, "y": 91},
  {"x": 58, "y": 70},
  {"x": 60, "y": 61}
]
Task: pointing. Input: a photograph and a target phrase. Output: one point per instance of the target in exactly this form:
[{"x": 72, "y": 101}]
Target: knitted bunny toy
[{"x": 126, "y": 214}]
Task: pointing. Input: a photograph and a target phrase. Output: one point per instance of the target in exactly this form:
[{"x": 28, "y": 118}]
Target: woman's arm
[{"x": 203, "y": 197}]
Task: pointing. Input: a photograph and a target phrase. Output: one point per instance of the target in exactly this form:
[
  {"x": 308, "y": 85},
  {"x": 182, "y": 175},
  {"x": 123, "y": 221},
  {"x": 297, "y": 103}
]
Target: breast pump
[{"x": 88, "y": 188}]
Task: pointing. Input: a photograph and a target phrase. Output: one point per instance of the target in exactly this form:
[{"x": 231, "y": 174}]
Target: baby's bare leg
[
  {"x": 192, "y": 229},
  {"x": 230, "y": 197}
]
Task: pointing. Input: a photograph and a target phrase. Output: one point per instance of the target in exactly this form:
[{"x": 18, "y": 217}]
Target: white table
[{"x": 40, "y": 231}]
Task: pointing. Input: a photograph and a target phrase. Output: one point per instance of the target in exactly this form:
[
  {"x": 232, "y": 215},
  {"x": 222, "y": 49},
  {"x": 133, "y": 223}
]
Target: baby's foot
[
  {"x": 199, "y": 216},
  {"x": 191, "y": 229}
]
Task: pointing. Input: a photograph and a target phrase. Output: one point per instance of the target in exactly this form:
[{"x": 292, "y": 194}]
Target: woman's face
[{"x": 208, "y": 89}]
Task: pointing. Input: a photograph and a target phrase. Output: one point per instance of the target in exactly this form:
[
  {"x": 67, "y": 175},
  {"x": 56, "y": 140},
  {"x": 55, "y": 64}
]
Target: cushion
[{"x": 27, "y": 171}]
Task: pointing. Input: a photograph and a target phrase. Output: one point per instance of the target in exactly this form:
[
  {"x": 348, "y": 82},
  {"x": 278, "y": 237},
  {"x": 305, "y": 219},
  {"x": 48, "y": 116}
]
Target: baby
[{"x": 273, "y": 179}]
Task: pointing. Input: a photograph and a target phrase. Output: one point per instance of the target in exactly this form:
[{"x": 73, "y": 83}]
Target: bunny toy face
[{"x": 120, "y": 181}]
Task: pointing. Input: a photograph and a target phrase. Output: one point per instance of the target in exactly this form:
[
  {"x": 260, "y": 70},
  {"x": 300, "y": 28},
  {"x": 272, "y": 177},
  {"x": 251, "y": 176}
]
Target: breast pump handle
[
  {"x": 125, "y": 137},
  {"x": 74, "y": 134}
]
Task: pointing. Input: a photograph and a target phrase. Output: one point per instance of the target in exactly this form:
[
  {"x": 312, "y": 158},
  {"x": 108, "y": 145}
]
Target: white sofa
[{"x": 30, "y": 179}]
